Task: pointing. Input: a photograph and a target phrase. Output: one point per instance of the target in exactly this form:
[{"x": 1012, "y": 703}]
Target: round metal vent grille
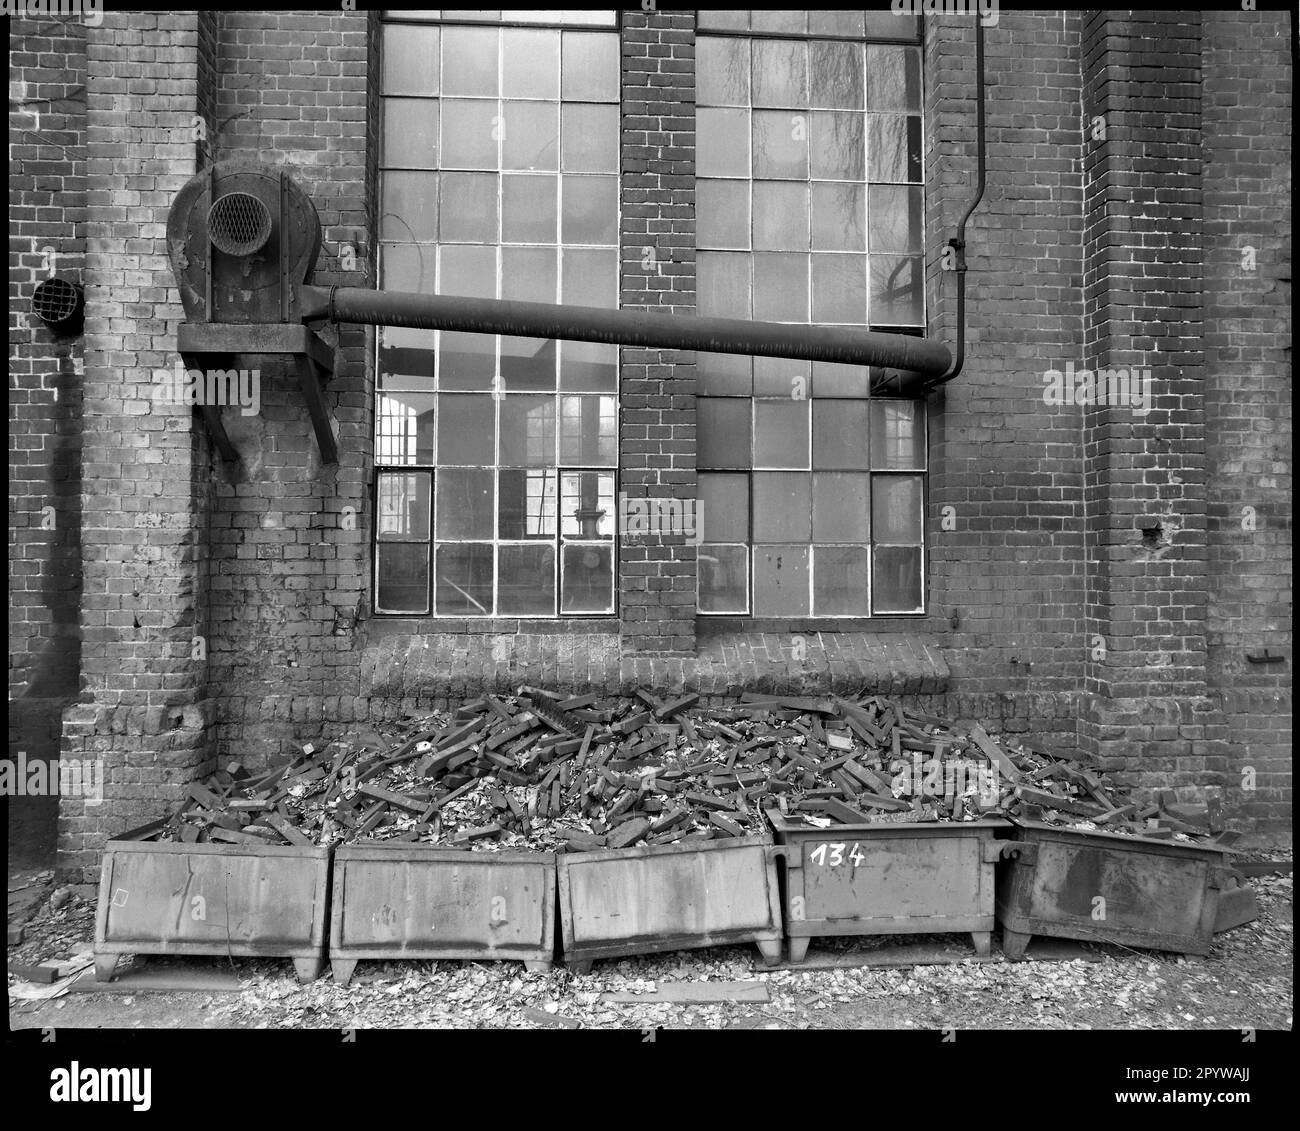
[
  {"x": 56, "y": 301},
  {"x": 239, "y": 223}
]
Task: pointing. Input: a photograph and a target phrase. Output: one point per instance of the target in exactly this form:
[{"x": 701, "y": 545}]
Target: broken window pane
[
  {"x": 527, "y": 431},
  {"x": 722, "y": 579},
  {"x": 463, "y": 579},
  {"x": 527, "y": 581},
  {"x": 896, "y": 579},
  {"x": 588, "y": 431},
  {"x": 527, "y": 503},
  {"x": 587, "y": 506},
  {"x": 897, "y": 435},
  {"x": 405, "y": 428},
  {"x": 840, "y": 581},
  {"x": 780, "y": 581}
]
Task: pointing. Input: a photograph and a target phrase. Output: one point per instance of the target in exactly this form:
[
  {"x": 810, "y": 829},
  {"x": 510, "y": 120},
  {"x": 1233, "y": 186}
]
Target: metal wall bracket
[
  {"x": 1017, "y": 850},
  {"x": 204, "y": 345}
]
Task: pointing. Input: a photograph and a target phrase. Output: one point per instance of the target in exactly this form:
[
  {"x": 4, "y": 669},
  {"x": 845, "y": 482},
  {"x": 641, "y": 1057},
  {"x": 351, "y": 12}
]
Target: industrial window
[
  {"x": 497, "y": 456},
  {"x": 809, "y": 209}
]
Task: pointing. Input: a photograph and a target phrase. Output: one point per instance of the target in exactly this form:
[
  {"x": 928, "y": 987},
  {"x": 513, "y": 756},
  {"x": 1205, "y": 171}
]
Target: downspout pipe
[{"x": 958, "y": 242}]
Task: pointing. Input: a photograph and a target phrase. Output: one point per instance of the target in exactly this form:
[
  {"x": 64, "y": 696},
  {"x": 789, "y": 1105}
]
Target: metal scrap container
[
  {"x": 411, "y": 901},
  {"x": 889, "y": 878},
  {"x": 215, "y": 899},
  {"x": 623, "y": 901},
  {"x": 1104, "y": 887}
]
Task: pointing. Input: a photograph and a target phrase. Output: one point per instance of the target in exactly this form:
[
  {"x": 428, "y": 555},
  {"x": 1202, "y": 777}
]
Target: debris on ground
[{"x": 542, "y": 771}]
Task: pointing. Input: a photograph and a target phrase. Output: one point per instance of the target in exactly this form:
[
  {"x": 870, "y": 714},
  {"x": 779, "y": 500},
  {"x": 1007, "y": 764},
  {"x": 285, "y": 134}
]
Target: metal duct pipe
[{"x": 923, "y": 356}]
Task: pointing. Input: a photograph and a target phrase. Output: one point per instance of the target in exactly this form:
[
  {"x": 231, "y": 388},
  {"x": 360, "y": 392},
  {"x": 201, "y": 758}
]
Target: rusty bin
[
  {"x": 623, "y": 901},
  {"x": 1104, "y": 887},
  {"x": 880, "y": 879},
  {"x": 216, "y": 899},
  {"x": 415, "y": 901}
]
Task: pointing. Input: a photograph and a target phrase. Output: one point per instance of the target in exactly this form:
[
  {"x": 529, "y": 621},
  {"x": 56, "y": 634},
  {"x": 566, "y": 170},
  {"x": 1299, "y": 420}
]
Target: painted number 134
[{"x": 833, "y": 855}]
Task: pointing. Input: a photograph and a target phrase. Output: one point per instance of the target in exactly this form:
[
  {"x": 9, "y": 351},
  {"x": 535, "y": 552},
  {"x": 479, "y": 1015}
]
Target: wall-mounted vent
[
  {"x": 239, "y": 223},
  {"x": 60, "y": 304}
]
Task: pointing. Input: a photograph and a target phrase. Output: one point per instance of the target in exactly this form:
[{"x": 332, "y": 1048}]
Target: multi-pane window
[
  {"x": 497, "y": 456},
  {"x": 809, "y": 209}
]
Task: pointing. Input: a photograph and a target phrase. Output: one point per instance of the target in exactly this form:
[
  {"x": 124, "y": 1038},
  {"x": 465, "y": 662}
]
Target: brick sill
[
  {"x": 379, "y": 628},
  {"x": 863, "y": 626}
]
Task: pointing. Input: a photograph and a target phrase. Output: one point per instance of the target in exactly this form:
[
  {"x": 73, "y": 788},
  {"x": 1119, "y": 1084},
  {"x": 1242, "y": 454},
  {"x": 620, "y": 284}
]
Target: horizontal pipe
[{"x": 624, "y": 327}]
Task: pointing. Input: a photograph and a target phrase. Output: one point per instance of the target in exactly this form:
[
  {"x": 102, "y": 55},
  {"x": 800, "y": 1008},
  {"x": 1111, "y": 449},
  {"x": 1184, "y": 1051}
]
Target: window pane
[
  {"x": 723, "y": 21},
  {"x": 528, "y": 274},
  {"x": 835, "y": 23},
  {"x": 893, "y": 77},
  {"x": 782, "y": 506},
  {"x": 780, "y": 581},
  {"x": 411, "y": 133},
  {"x": 469, "y": 208},
  {"x": 780, "y": 216},
  {"x": 590, "y": 210},
  {"x": 724, "y": 373},
  {"x": 589, "y": 138},
  {"x": 469, "y": 60},
  {"x": 722, "y": 432},
  {"x": 722, "y": 214},
  {"x": 722, "y": 579},
  {"x": 724, "y": 508},
  {"x": 835, "y": 75},
  {"x": 403, "y": 507},
  {"x": 591, "y": 278},
  {"x": 894, "y": 147},
  {"x": 840, "y": 507},
  {"x": 888, "y": 24},
  {"x": 466, "y": 361},
  {"x": 588, "y": 580},
  {"x": 527, "y": 584},
  {"x": 590, "y": 67},
  {"x": 588, "y": 431},
  {"x": 529, "y": 209},
  {"x": 896, "y": 508},
  {"x": 840, "y": 435},
  {"x": 528, "y": 364},
  {"x": 781, "y": 287},
  {"x": 589, "y": 366},
  {"x": 895, "y": 219},
  {"x": 722, "y": 143},
  {"x": 780, "y": 145},
  {"x": 532, "y": 136},
  {"x": 527, "y": 431},
  {"x": 723, "y": 282},
  {"x": 408, "y": 267},
  {"x": 897, "y": 290},
  {"x": 410, "y": 60},
  {"x": 405, "y": 433},
  {"x": 464, "y": 508},
  {"x": 781, "y": 433},
  {"x": 781, "y": 377},
  {"x": 468, "y": 138},
  {"x": 527, "y": 503},
  {"x": 410, "y": 207},
  {"x": 468, "y": 270},
  {"x": 463, "y": 581},
  {"x": 838, "y": 213},
  {"x": 838, "y": 146},
  {"x": 406, "y": 358},
  {"x": 787, "y": 21},
  {"x": 780, "y": 73},
  {"x": 530, "y": 65},
  {"x": 897, "y": 435},
  {"x": 839, "y": 288},
  {"x": 402, "y": 577},
  {"x": 721, "y": 71},
  {"x": 465, "y": 432},
  {"x": 587, "y": 504},
  {"x": 830, "y": 379},
  {"x": 840, "y": 581},
  {"x": 896, "y": 579}
]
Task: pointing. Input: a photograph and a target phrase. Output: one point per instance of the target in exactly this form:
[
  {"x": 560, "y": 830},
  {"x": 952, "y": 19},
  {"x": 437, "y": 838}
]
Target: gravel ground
[{"x": 1246, "y": 982}]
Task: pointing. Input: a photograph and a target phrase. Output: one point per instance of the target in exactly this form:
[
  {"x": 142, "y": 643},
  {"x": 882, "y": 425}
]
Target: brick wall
[{"x": 47, "y": 215}]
